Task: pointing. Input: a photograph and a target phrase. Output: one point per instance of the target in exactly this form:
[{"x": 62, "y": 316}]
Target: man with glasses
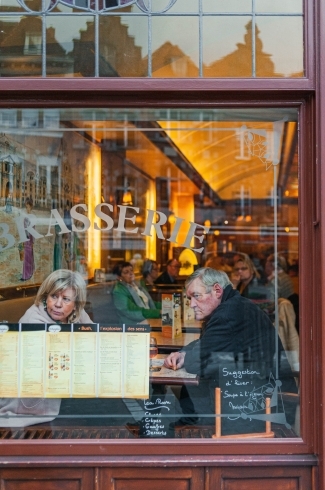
[
  {"x": 232, "y": 325},
  {"x": 171, "y": 273}
]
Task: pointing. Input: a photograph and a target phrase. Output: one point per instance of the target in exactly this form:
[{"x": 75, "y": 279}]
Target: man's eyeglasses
[{"x": 237, "y": 269}]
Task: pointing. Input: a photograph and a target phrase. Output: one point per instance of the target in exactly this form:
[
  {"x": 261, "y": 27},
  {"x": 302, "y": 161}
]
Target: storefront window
[
  {"x": 151, "y": 38},
  {"x": 136, "y": 201}
]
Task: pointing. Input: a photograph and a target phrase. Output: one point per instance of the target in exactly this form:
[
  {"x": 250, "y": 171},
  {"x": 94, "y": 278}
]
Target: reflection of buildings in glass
[
  {"x": 239, "y": 62},
  {"x": 10, "y": 180},
  {"x": 21, "y": 50},
  {"x": 114, "y": 43},
  {"x": 170, "y": 61}
]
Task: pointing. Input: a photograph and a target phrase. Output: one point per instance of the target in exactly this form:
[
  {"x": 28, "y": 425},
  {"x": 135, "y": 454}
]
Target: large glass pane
[
  {"x": 175, "y": 47},
  {"x": 227, "y": 46},
  {"x": 109, "y": 212},
  {"x": 70, "y": 46},
  {"x": 273, "y": 33}
]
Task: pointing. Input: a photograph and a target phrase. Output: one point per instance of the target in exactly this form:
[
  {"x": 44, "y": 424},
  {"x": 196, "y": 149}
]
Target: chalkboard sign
[
  {"x": 244, "y": 389},
  {"x": 158, "y": 413}
]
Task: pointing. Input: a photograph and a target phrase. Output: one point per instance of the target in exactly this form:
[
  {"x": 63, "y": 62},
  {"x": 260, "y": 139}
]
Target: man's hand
[{"x": 175, "y": 360}]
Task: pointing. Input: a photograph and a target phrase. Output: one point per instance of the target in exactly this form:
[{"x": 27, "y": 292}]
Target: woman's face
[
  {"x": 127, "y": 274},
  {"x": 154, "y": 272},
  {"x": 243, "y": 271},
  {"x": 60, "y": 305}
]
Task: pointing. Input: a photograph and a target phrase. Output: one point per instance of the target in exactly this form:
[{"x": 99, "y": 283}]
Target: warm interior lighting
[
  {"x": 127, "y": 198},
  {"x": 248, "y": 218},
  {"x": 171, "y": 219},
  {"x": 94, "y": 196},
  {"x": 287, "y": 229},
  {"x": 151, "y": 204},
  {"x": 207, "y": 222},
  {"x": 217, "y": 232}
]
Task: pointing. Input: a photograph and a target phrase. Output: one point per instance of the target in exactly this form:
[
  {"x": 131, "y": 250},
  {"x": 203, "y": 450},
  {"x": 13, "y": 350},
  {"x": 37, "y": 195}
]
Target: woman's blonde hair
[
  {"x": 249, "y": 263},
  {"x": 59, "y": 281}
]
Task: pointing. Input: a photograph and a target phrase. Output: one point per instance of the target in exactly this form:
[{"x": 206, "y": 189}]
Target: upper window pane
[
  {"x": 164, "y": 39},
  {"x": 173, "y": 54},
  {"x": 225, "y": 55}
]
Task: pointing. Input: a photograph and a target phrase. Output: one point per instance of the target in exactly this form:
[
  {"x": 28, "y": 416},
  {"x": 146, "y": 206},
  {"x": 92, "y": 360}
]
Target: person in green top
[
  {"x": 132, "y": 302},
  {"x": 150, "y": 271}
]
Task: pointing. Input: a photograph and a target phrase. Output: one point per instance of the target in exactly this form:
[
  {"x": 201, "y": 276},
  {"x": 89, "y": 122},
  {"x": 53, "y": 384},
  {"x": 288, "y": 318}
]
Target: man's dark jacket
[
  {"x": 236, "y": 325},
  {"x": 164, "y": 278}
]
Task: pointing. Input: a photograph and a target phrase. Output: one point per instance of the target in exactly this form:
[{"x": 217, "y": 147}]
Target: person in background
[
  {"x": 60, "y": 299},
  {"x": 170, "y": 275},
  {"x": 150, "y": 272},
  {"x": 285, "y": 284},
  {"x": 27, "y": 248},
  {"x": 245, "y": 278},
  {"x": 132, "y": 302}
]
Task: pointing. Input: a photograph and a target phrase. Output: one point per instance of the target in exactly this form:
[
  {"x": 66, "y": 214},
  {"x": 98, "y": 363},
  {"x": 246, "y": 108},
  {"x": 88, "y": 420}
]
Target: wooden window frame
[{"x": 303, "y": 93}]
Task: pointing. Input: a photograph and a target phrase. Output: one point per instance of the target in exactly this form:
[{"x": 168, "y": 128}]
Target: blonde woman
[{"x": 60, "y": 299}]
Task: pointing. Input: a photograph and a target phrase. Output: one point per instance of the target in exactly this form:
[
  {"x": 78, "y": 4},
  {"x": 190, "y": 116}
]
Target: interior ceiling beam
[{"x": 162, "y": 141}]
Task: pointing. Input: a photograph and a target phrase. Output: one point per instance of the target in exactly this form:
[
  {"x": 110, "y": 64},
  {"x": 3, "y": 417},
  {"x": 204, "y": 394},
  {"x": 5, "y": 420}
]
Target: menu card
[
  {"x": 9, "y": 359},
  {"x": 188, "y": 312},
  {"x": 171, "y": 313},
  {"x": 74, "y": 360}
]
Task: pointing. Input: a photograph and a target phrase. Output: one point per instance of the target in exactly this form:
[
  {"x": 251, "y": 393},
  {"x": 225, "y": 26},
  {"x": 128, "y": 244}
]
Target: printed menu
[
  {"x": 74, "y": 360},
  {"x": 171, "y": 313},
  {"x": 9, "y": 360}
]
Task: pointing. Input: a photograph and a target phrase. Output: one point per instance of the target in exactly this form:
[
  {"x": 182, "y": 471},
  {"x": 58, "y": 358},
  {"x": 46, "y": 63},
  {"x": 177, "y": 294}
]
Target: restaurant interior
[{"x": 199, "y": 186}]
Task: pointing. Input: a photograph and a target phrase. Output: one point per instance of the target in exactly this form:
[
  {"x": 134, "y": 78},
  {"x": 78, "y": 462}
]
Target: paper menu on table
[
  {"x": 84, "y": 360},
  {"x": 110, "y": 360},
  {"x": 58, "y": 361},
  {"x": 9, "y": 359},
  {"x": 136, "y": 361},
  {"x": 32, "y": 354}
]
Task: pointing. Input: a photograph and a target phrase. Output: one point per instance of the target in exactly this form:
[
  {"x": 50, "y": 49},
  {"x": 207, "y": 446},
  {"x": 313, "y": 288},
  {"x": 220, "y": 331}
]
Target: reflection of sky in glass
[
  {"x": 227, "y": 5},
  {"x": 68, "y": 28},
  {"x": 180, "y": 5},
  {"x": 282, "y": 38},
  {"x": 181, "y": 31},
  {"x": 221, "y": 35},
  {"x": 294, "y": 6}
]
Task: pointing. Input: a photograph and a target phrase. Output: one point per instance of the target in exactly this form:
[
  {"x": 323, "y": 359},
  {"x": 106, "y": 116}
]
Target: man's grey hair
[{"x": 209, "y": 277}]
